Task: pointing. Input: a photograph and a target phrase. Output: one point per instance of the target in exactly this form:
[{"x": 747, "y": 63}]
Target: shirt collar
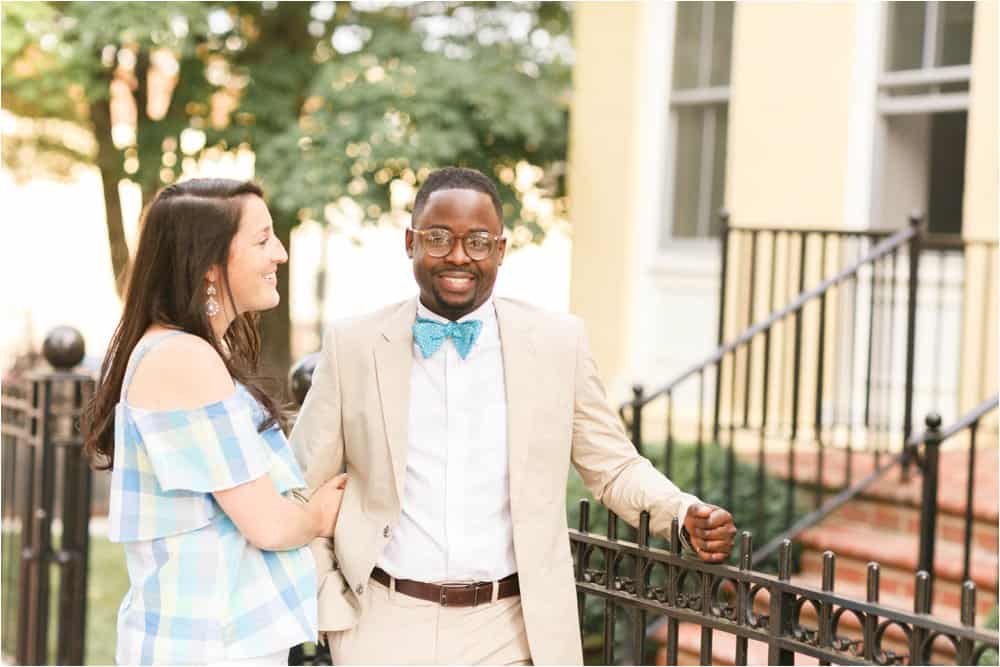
[{"x": 486, "y": 313}]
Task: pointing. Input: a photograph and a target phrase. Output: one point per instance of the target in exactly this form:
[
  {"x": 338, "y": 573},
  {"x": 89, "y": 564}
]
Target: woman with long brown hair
[{"x": 202, "y": 476}]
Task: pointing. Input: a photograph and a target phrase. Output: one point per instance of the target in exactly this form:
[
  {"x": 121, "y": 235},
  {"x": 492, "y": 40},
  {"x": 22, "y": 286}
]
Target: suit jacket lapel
[
  {"x": 393, "y": 363},
  {"x": 520, "y": 376}
]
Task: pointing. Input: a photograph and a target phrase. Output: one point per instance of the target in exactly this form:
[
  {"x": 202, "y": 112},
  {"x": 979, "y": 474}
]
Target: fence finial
[{"x": 63, "y": 348}]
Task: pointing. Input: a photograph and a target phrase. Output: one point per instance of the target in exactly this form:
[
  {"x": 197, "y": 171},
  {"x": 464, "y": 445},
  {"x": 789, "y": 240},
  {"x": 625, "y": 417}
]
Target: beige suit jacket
[{"x": 356, "y": 415}]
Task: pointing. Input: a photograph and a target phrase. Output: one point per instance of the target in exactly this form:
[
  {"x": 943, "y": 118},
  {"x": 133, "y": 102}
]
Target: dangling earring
[{"x": 211, "y": 305}]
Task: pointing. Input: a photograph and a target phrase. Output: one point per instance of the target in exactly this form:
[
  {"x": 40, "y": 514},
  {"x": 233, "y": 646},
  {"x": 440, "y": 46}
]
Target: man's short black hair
[{"x": 456, "y": 178}]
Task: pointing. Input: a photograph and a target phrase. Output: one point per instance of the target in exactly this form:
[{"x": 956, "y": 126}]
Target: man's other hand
[{"x": 711, "y": 532}]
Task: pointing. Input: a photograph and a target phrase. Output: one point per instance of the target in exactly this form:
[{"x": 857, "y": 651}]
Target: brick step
[
  {"x": 897, "y": 517},
  {"x": 896, "y": 552},
  {"x": 953, "y": 478}
]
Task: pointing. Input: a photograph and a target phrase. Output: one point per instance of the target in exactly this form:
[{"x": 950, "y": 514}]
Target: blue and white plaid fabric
[{"x": 199, "y": 591}]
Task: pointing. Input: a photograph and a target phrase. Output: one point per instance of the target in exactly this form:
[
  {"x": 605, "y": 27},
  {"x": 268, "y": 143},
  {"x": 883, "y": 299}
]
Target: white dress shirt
[{"x": 455, "y": 523}]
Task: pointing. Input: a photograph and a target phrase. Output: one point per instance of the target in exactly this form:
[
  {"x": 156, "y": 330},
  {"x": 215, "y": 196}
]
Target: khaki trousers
[{"x": 397, "y": 629}]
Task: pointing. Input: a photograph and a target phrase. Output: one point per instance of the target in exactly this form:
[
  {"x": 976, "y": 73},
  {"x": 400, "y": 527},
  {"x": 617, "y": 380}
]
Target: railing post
[
  {"x": 780, "y": 624},
  {"x": 928, "y": 498},
  {"x": 916, "y": 220},
  {"x": 638, "y": 393},
  {"x": 724, "y": 262}
]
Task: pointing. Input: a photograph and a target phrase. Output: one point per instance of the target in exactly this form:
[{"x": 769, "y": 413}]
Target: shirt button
[
  {"x": 386, "y": 532},
  {"x": 360, "y": 589}
]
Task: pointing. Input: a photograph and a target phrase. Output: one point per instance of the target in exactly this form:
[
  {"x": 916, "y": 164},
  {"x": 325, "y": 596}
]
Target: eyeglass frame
[{"x": 495, "y": 239}]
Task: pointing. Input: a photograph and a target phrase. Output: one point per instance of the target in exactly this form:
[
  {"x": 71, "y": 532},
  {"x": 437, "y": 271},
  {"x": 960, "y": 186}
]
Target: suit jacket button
[
  {"x": 360, "y": 589},
  {"x": 386, "y": 532}
]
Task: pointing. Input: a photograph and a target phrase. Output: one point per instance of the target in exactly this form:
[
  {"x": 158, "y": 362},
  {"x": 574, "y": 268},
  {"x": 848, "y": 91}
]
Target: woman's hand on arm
[{"x": 272, "y": 522}]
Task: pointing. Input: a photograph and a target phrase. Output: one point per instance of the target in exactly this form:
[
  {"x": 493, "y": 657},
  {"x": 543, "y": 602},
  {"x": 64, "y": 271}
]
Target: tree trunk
[
  {"x": 109, "y": 163},
  {"x": 275, "y": 324}
]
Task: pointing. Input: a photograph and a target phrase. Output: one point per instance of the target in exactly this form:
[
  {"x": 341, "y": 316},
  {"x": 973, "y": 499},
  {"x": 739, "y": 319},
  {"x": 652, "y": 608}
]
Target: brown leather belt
[{"x": 452, "y": 595}]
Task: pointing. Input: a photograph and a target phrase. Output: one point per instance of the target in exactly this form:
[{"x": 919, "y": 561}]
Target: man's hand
[{"x": 711, "y": 532}]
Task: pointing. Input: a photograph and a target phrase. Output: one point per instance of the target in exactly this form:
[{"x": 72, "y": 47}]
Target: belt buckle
[{"x": 443, "y": 596}]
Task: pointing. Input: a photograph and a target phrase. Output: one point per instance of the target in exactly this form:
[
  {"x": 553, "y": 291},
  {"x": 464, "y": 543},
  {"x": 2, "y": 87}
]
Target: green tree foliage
[{"x": 336, "y": 100}]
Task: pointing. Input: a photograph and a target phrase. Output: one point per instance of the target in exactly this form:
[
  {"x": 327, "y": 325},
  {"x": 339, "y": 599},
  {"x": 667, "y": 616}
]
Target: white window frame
[
  {"x": 702, "y": 96},
  {"x": 927, "y": 75}
]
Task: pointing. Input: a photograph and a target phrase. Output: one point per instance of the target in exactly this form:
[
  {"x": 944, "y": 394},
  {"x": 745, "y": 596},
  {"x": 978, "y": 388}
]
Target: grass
[{"x": 106, "y": 586}]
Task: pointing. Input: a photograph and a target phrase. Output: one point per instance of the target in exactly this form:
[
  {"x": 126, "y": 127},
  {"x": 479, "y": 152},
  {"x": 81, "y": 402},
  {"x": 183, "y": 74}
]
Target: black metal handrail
[
  {"x": 641, "y": 580},
  {"x": 894, "y": 242}
]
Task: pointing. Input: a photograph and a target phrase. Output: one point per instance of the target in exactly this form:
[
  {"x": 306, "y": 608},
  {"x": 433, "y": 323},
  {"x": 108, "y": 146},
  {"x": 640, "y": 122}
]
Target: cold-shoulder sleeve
[{"x": 207, "y": 449}]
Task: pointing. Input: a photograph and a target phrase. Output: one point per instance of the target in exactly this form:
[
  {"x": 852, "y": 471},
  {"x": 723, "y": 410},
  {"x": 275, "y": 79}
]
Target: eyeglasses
[{"x": 439, "y": 242}]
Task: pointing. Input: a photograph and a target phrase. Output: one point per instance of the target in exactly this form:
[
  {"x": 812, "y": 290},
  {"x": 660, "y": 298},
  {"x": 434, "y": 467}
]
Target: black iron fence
[
  {"x": 46, "y": 488},
  {"x": 641, "y": 583}
]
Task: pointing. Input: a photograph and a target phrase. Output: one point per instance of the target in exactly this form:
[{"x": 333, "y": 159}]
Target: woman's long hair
[{"x": 186, "y": 230}]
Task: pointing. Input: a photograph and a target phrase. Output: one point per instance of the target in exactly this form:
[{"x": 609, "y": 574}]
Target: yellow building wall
[
  {"x": 602, "y": 185},
  {"x": 979, "y": 347},
  {"x": 789, "y": 111},
  {"x": 789, "y": 124}
]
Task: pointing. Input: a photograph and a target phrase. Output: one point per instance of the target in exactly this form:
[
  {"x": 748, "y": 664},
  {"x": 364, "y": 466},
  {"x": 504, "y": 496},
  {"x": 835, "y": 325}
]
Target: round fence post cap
[
  {"x": 63, "y": 347},
  {"x": 300, "y": 377},
  {"x": 933, "y": 420}
]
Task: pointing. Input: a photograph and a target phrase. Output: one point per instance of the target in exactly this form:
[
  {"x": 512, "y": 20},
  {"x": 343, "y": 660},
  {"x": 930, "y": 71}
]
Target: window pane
[
  {"x": 906, "y": 35},
  {"x": 947, "y": 182},
  {"x": 686, "y": 45},
  {"x": 718, "y": 170},
  {"x": 687, "y": 168},
  {"x": 956, "y": 33},
  {"x": 722, "y": 43}
]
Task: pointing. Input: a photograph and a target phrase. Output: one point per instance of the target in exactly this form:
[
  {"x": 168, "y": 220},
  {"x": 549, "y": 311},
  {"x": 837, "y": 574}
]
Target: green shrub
[{"x": 990, "y": 656}]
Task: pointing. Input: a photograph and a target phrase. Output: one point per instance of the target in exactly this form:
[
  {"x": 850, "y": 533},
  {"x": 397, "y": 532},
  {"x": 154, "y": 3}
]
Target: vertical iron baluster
[
  {"x": 705, "y": 649},
  {"x": 639, "y": 627},
  {"x": 583, "y": 525},
  {"x": 611, "y": 556},
  {"x": 971, "y": 479},
  {"x": 825, "y": 630},
  {"x": 796, "y": 368},
  {"x": 699, "y": 471},
  {"x": 724, "y": 256},
  {"x": 928, "y": 499},
  {"x": 820, "y": 358},
  {"x": 732, "y": 409},
  {"x": 748, "y": 374},
  {"x": 781, "y": 611},
  {"x": 637, "y": 405},
  {"x": 668, "y": 454},
  {"x": 852, "y": 309},
  {"x": 921, "y": 605},
  {"x": 871, "y": 620},
  {"x": 911, "y": 321},
  {"x": 673, "y": 573},
  {"x": 761, "y": 457},
  {"x": 870, "y": 361},
  {"x": 890, "y": 357},
  {"x": 939, "y": 318},
  {"x": 968, "y": 619},
  {"x": 730, "y": 473},
  {"x": 743, "y": 595}
]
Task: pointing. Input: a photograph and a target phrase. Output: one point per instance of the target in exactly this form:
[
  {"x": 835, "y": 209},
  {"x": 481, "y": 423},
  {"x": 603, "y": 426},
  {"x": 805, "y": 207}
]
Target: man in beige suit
[{"x": 456, "y": 416}]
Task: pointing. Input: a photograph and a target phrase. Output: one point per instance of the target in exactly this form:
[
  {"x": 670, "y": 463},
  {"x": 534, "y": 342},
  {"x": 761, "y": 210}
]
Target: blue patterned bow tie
[{"x": 430, "y": 334}]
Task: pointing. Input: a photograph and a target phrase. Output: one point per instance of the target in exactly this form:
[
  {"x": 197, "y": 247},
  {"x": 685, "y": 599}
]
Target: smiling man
[{"x": 456, "y": 416}]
